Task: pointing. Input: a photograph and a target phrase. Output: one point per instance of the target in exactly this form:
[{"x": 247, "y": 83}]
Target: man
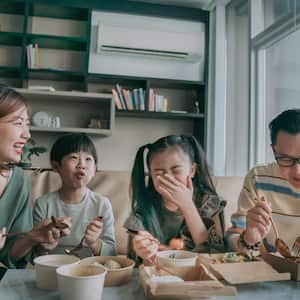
[{"x": 271, "y": 190}]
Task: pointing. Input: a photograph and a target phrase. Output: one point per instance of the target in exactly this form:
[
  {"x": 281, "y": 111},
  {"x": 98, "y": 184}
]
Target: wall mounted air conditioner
[{"x": 148, "y": 42}]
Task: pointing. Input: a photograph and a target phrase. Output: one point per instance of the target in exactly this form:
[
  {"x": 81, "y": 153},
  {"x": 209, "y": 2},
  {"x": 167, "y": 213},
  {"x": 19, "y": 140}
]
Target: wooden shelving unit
[{"x": 63, "y": 35}]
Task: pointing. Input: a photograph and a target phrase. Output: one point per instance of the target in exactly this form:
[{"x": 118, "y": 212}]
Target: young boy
[{"x": 73, "y": 156}]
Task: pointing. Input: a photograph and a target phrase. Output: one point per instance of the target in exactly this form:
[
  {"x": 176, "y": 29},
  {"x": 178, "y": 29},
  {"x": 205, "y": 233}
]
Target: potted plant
[{"x": 30, "y": 149}]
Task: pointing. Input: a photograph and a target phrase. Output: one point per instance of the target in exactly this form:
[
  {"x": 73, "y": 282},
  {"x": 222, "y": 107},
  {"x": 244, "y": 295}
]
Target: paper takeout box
[
  {"x": 241, "y": 272},
  {"x": 282, "y": 264},
  {"x": 198, "y": 283}
]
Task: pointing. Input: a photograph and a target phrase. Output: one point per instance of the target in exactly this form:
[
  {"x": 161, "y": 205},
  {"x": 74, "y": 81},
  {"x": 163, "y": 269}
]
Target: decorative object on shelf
[
  {"x": 95, "y": 123},
  {"x": 41, "y": 119},
  {"x": 196, "y": 107},
  {"x": 30, "y": 149},
  {"x": 55, "y": 122}
]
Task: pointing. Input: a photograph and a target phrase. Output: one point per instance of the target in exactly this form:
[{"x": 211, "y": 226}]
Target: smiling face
[
  {"x": 76, "y": 169},
  {"x": 14, "y": 132},
  {"x": 288, "y": 145},
  {"x": 172, "y": 161}
]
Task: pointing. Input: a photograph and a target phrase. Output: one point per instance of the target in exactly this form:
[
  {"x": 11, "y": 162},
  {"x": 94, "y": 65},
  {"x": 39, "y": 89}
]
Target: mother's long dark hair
[{"x": 143, "y": 191}]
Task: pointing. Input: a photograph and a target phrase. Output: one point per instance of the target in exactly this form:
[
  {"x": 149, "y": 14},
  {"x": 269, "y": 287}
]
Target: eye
[
  {"x": 89, "y": 159},
  {"x": 73, "y": 157}
]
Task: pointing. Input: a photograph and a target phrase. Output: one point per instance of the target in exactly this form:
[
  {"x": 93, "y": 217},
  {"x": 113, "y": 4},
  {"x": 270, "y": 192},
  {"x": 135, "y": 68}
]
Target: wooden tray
[
  {"x": 243, "y": 272},
  {"x": 198, "y": 283},
  {"x": 282, "y": 264}
]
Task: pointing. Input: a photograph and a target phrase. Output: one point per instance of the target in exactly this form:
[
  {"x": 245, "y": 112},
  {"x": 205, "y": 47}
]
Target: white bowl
[
  {"x": 46, "y": 266},
  {"x": 114, "y": 277},
  {"x": 79, "y": 282},
  {"x": 177, "y": 258}
]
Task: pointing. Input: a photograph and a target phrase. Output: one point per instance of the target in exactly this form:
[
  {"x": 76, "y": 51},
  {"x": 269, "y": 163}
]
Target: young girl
[
  {"x": 177, "y": 201},
  {"x": 74, "y": 157},
  {"x": 15, "y": 188}
]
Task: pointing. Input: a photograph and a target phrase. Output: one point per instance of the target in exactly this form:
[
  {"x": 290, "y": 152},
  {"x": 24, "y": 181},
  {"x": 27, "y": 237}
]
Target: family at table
[{"x": 174, "y": 201}]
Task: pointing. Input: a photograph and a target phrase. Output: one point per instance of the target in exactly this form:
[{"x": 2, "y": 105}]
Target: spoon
[
  {"x": 58, "y": 224},
  {"x": 75, "y": 250}
]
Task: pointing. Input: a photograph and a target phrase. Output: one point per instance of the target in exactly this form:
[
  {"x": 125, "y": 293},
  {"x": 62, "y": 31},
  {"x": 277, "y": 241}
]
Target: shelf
[
  {"x": 12, "y": 8},
  {"x": 113, "y": 79},
  {"x": 10, "y": 72},
  {"x": 55, "y": 11},
  {"x": 142, "y": 81},
  {"x": 57, "y": 42},
  {"x": 158, "y": 115},
  {"x": 54, "y": 74},
  {"x": 11, "y": 38},
  {"x": 101, "y": 132}
]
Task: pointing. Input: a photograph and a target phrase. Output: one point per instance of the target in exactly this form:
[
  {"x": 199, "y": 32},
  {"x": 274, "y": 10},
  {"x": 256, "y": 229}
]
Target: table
[{"x": 20, "y": 284}]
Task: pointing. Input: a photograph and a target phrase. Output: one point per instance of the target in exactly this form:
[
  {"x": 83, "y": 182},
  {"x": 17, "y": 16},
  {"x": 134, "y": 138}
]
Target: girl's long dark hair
[{"x": 144, "y": 195}]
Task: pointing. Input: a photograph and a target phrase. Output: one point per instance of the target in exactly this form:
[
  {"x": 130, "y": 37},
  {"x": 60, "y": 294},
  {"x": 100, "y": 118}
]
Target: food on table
[
  {"x": 164, "y": 278},
  {"x": 109, "y": 264}
]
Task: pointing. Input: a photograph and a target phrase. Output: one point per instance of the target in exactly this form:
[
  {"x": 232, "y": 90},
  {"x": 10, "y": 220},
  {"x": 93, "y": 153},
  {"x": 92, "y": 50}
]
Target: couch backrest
[{"x": 115, "y": 186}]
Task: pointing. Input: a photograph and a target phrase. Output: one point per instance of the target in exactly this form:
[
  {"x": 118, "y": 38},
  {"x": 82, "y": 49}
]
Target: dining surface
[{"x": 20, "y": 284}]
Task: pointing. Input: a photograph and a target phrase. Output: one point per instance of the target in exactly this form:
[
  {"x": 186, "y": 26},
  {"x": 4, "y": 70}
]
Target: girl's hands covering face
[
  {"x": 174, "y": 191},
  {"x": 145, "y": 245}
]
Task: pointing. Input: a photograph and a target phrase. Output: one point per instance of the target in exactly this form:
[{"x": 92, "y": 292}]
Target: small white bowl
[
  {"x": 46, "y": 266},
  {"x": 177, "y": 258},
  {"x": 114, "y": 277},
  {"x": 78, "y": 282}
]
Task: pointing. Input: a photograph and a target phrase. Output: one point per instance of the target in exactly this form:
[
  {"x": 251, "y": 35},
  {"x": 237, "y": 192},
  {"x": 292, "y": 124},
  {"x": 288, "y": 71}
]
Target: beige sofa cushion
[{"x": 115, "y": 186}]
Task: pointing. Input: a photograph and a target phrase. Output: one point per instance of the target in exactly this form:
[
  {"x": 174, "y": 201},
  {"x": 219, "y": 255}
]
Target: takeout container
[
  {"x": 241, "y": 272},
  {"x": 197, "y": 283},
  {"x": 114, "y": 277},
  {"x": 46, "y": 266},
  {"x": 78, "y": 282},
  {"x": 176, "y": 258},
  {"x": 282, "y": 264}
]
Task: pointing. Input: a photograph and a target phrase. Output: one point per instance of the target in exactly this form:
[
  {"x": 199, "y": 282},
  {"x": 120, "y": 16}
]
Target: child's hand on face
[
  {"x": 145, "y": 245},
  {"x": 176, "y": 192},
  {"x": 2, "y": 238},
  {"x": 93, "y": 232}
]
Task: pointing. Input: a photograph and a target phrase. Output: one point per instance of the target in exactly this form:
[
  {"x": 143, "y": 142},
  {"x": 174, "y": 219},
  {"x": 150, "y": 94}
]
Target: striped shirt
[{"x": 266, "y": 181}]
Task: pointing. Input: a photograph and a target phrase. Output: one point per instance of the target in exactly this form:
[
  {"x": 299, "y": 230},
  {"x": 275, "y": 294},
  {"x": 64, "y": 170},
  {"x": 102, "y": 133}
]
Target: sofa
[{"x": 115, "y": 186}]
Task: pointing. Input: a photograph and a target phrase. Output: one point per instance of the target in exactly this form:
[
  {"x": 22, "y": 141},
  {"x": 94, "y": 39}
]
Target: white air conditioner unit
[{"x": 147, "y": 42}]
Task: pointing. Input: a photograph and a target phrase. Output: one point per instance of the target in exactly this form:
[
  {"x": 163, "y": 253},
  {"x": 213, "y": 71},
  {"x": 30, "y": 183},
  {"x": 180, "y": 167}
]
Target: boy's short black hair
[
  {"x": 70, "y": 143},
  {"x": 287, "y": 121}
]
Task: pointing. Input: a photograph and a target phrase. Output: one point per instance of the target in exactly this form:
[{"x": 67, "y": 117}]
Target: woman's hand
[
  {"x": 93, "y": 232},
  {"x": 47, "y": 235},
  {"x": 145, "y": 245},
  {"x": 176, "y": 192},
  {"x": 2, "y": 237},
  {"x": 258, "y": 222}
]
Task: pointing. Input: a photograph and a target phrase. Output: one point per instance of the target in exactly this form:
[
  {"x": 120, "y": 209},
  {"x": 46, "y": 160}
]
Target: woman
[{"x": 15, "y": 188}]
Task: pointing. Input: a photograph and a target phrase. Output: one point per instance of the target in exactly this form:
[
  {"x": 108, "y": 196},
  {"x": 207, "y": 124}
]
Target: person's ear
[
  {"x": 193, "y": 170},
  {"x": 55, "y": 165}
]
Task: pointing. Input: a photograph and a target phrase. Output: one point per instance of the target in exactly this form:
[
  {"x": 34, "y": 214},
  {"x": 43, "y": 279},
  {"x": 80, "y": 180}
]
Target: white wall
[{"x": 117, "y": 152}]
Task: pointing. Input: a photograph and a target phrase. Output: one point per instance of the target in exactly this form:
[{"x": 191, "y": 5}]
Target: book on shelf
[
  {"x": 126, "y": 99},
  {"x": 32, "y": 55}
]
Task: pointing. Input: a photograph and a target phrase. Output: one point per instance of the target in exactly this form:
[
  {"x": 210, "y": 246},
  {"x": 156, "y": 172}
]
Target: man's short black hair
[
  {"x": 287, "y": 121},
  {"x": 70, "y": 143}
]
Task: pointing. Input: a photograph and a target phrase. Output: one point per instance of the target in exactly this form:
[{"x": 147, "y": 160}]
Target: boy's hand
[
  {"x": 92, "y": 235},
  {"x": 47, "y": 235},
  {"x": 176, "y": 192},
  {"x": 2, "y": 238},
  {"x": 145, "y": 245}
]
